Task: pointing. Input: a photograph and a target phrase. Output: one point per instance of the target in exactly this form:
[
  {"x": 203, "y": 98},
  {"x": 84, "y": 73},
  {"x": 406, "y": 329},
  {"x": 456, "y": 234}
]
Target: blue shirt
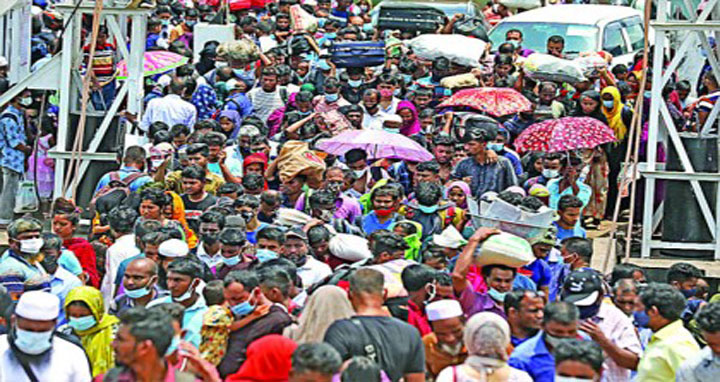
[
  {"x": 558, "y": 270},
  {"x": 523, "y": 282},
  {"x": 123, "y": 173},
  {"x": 486, "y": 177},
  {"x": 252, "y": 235},
  {"x": 564, "y": 233},
  {"x": 539, "y": 271},
  {"x": 60, "y": 285},
  {"x": 553, "y": 186},
  {"x": 240, "y": 103},
  {"x": 192, "y": 317},
  {"x": 13, "y": 264},
  {"x": 533, "y": 357},
  {"x": 371, "y": 224},
  {"x": 12, "y": 134}
]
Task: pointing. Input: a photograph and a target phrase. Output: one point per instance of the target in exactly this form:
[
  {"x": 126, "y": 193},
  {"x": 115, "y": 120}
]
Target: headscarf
[
  {"x": 614, "y": 116},
  {"x": 414, "y": 241},
  {"x": 268, "y": 360},
  {"x": 236, "y": 119},
  {"x": 97, "y": 341},
  {"x": 597, "y": 113},
  {"x": 205, "y": 100},
  {"x": 414, "y": 126},
  {"x": 486, "y": 337},
  {"x": 256, "y": 158},
  {"x": 178, "y": 214},
  {"x": 463, "y": 186},
  {"x": 326, "y": 305}
]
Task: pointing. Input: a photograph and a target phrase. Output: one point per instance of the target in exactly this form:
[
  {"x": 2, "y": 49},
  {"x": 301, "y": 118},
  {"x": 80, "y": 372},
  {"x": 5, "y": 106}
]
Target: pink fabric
[
  {"x": 414, "y": 126},
  {"x": 463, "y": 186}
]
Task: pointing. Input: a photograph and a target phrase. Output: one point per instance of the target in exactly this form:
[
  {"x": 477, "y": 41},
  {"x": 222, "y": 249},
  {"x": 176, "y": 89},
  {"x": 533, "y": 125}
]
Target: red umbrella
[
  {"x": 493, "y": 101},
  {"x": 564, "y": 134}
]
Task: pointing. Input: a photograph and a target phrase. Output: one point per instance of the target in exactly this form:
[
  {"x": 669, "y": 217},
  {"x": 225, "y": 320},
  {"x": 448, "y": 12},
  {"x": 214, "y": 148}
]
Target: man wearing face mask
[
  {"x": 444, "y": 347},
  {"x": 62, "y": 280},
  {"x": 13, "y": 149},
  {"x": 551, "y": 165},
  {"x": 233, "y": 257},
  {"x": 183, "y": 280},
  {"x": 254, "y": 316},
  {"x": 323, "y": 206},
  {"x": 32, "y": 351},
  {"x": 172, "y": 108},
  {"x": 365, "y": 176},
  {"x": 352, "y": 89},
  {"x": 208, "y": 250},
  {"x": 372, "y": 115},
  {"x": 297, "y": 250},
  {"x": 23, "y": 255},
  {"x": 419, "y": 281},
  {"x": 607, "y": 325},
  {"x": 247, "y": 206},
  {"x": 684, "y": 277},
  {"x": 534, "y": 356},
  {"x": 140, "y": 284},
  {"x": 332, "y": 99}
]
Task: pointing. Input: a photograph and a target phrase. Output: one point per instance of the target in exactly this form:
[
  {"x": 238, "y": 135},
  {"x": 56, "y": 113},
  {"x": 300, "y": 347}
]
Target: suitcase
[
  {"x": 357, "y": 54},
  {"x": 410, "y": 18}
]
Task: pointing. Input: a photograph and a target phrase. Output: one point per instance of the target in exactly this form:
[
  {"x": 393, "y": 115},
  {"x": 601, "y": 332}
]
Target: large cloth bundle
[
  {"x": 295, "y": 159},
  {"x": 544, "y": 67},
  {"x": 461, "y": 50},
  {"x": 357, "y": 54},
  {"x": 349, "y": 247},
  {"x": 243, "y": 49},
  {"x": 471, "y": 26},
  {"x": 591, "y": 64},
  {"x": 300, "y": 20},
  {"x": 460, "y": 81},
  {"x": 504, "y": 249}
]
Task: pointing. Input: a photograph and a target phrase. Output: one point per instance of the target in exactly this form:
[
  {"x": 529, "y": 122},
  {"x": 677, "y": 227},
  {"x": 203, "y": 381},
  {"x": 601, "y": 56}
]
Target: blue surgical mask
[
  {"x": 497, "y": 147},
  {"x": 608, "y": 104},
  {"x": 397, "y": 92},
  {"x": 496, "y": 295},
  {"x": 689, "y": 292},
  {"x": 264, "y": 255},
  {"x": 641, "y": 319},
  {"x": 304, "y": 113},
  {"x": 647, "y": 94},
  {"x": 550, "y": 174},
  {"x": 190, "y": 24},
  {"x": 330, "y": 35},
  {"x": 355, "y": 83},
  {"x": 242, "y": 73},
  {"x": 514, "y": 43},
  {"x": 173, "y": 345},
  {"x": 407, "y": 78},
  {"x": 137, "y": 293},
  {"x": 321, "y": 21},
  {"x": 188, "y": 293},
  {"x": 428, "y": 209},
  {"x": 331, "y": 97},
  {"x": 323, "y": 65},
  {"x": 242, "y": 309},
  {"x": 165, "y": 22},
  {"x": 33, "y": 343},
  {"x": 82, "y": 323},
  {"x": 392, "y": 130},
  {"x": 231, "y": 261}
]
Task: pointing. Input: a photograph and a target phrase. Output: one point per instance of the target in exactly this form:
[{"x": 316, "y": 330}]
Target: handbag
[
  {"x": 26, "y": 200},
  {"x": 357, "y": 54}
]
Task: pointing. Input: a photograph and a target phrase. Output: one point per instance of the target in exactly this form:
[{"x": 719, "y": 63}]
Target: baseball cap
[
  {"x": 296, "y": 233},
  {"x": 582, "y": 287}
]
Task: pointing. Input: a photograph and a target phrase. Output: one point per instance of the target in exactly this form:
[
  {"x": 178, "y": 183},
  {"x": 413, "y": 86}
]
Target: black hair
[
  {"x": 247, "y": 201},
  {"x": 708, "y": 318},
  {"x": 153, "y": 325},
  {"x": 361, "y": 369},
  {"x": 557, "y": 39},
  {"x": 428, "y": 194},
  {"x": 416, "y": 276},
  {"x": 319, "y": 357},
  {"x": 248, "y": 279},
  {"x": 387, "y": 79},
  {"x": 514, "y": 298},
  {"x": 187, "y": 266},
  {"x": 272, "y": 233},
  {"x": 276, "y": 277},
  {"x": 432, "y": 166},
  {"x": 144, "y": 226},
  {"x": 487, "y": 270},
  {"x": 230, "y": 188},
  {"x": 683, "y": 85},
  {"x": 214, "y": 138},
  {"x": 619, "y": 69},
  {"x": 585, "y": 352},
  {"x": 581, "y": 246},
  {"x": 155, "y": 196},
  {"x": 669, "y": 302},
  {"x": 198, "y": 148},
  {"x": 385, "y": 190},
  {"x": 569, "y": 201},
  {"x": 287, "y": 265},
  {"x": 624, "y": 271},
  {"x": 682, "y": 272},
  {"x": 318, "y": 234},
  {"x": 385, "y": 241},
  {"x": 253, "y": 181},
  {"x": 213, "y": 292},
  {"x": 355, "y": 155},
  {"x": 561, "y": 312},
  {"x": 322, "y": 197},
  {"x": 178, "y": 130},
  {"x": 304, "y": 96},
  {"x": 194, "y": 172},
  {"x": 134, "y": 154},
  {"x": 232, "y": 236},
  {"x": 443, "y": 139},
  {"x": 514, "y": 30},
  {"x": 122, "y": 218},
  {"x": 213, "y": 217}
]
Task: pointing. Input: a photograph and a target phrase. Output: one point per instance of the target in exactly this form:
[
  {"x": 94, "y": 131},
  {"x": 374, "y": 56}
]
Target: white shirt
[
  {"x": 124, "y": 248},
  {"x": 66, "y": 363},
  {"x": 313, "y": 271},
  {"x": 208, "y": 259},
  {"x": 372, "y": 121},
  {"x": 170, "y": 109}
]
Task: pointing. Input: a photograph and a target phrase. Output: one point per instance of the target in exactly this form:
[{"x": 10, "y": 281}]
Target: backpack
[{"x": 114, "y": 193}]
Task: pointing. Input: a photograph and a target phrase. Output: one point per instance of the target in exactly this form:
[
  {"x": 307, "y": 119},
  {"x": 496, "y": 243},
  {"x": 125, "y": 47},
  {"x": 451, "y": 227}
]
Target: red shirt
[
  {"x": 85, "y": 254},
  {"x": 418, "y": 319}
]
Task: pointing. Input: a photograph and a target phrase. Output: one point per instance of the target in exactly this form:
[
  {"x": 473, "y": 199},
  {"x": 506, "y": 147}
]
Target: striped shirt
[{"x": 104, "y": 65}]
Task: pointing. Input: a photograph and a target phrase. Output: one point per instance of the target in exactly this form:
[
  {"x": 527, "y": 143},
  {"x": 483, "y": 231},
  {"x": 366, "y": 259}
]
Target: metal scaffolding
[{"x": 662, "y": 128}]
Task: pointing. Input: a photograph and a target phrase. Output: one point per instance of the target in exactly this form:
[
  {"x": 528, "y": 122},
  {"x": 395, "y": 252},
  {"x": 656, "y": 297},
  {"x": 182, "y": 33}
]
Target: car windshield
[{"x": 578, "y": 37}]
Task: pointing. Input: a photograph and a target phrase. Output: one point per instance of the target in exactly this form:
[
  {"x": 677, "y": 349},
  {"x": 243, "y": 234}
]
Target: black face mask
[
  {"x": 50, "y": 263},
  {"x": 588, "y": 311},
  {"x": 209, "y": 238},
  {"x": 247, "y": 216}
]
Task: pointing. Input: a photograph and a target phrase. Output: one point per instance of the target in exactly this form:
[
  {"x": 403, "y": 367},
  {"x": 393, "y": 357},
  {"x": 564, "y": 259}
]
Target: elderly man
[
  {"x": 444, "y": 345},
  {"x": 172, "y": 109},
  {"x": 22, "y": 257},
  {"x": 297, "y": 250},
  {"x": 140, "y": 283},
  {"x": 32, "y": 352}
]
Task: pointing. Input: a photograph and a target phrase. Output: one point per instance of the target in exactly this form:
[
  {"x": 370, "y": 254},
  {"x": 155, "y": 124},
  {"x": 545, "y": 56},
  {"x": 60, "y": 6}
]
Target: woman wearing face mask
[
  {"x": 66, "y": 216},
  {"x": 85, "y": 311},
  {"x": 619, "y": 117},
  {"x": 487, "y": 337}
]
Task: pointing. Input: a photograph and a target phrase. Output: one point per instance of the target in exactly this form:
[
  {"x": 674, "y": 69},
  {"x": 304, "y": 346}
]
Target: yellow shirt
[
  {"x": 173, "y": 182},
  {"x": 666, "y": 351}
]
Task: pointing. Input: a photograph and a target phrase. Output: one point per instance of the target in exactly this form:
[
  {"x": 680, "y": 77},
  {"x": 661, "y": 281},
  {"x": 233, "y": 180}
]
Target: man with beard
[
  {"x": 297, "y": 250},
  {"x": 444, "y": 346},
  {"x": 323, "y": 206},
  {"x": 524, "y": 310},
  {"x": 373, "y": 116},
  {"x": 443, "y": 151},
  {"x": 32, "y": 351}
]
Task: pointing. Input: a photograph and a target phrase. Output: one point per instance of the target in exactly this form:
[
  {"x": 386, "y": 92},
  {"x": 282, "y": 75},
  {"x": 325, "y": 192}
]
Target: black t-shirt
[
  {"x": 395, "y": 345},
  {"x": 193, "y": 210}
]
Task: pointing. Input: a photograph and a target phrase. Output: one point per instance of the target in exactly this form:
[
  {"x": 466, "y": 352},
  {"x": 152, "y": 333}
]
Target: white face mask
[
  {"x": 452, "y": 350},
  {"x": 560, "y": 378},
  {"x": 359, "y": 173},
  {"x": 31, "y": 246},
  {"x": 26, "y": 101},
  {"x": 221, "y": 64},
  {"x": 550, "y": 174},
  {"x": 188, "y": 293}
]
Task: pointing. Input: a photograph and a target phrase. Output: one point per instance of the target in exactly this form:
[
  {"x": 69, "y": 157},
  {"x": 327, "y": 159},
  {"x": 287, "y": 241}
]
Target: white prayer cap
[
  {"x": 443, "y": 309},
  {"x": 173, "y": 248},
  {"x": 449, "y": 238},
  {"x": 392, "y": 118},
  {"x": 38, "y": 306},
  {"x": 3, "y": 61}
]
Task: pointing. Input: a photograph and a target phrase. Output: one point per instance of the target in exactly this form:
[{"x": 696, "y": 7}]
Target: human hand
[
  {"x": 482, "y": 233},
  {"x": 491, "y": 157},
  {"x": 593, "y": 330}
]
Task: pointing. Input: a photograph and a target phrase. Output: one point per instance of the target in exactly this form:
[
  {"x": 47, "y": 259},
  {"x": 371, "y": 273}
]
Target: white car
[{"x": 616, "y": 30}]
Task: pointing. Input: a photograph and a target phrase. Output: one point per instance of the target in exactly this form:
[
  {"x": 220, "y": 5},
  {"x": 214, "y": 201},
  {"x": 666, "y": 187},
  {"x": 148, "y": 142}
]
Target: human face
[
  {"x": 457, "y": 196},
  {"x": 137, "y": 276},
  {"x": 389, "y": 88},
  {"x": 77, "y": 311},
  {"x": 192, "y": 186},
  {"x": 541, "y": 250},
  {"x": 321, "y": 248},
  {"x": 254, "y": 168},
  {"x": 271, "y": 245},
  {"x": 179, "y": 140},
  {"x": 588, "y": 105},
  {"x": 407, "y": 116},
  {"x": 15, "y": 243},
  {"x": 291, "y": 187},
  {"x": 448, "y": 331},
  {"x": 555, "y": 49},
  {"x": 558, "y": 329},
  {"x": 358, "y": 165},
  {"x": 425, "y": 176},
  {"x": 152, "y": 252},
  {"x": 295, "y": 248},
  {"x": 552, "y": 164},
  {"x": 198, "y": 159},
  {"x": 370, "y": 101},
  {"x": 626, "y": 302},
  {"x": 570, "y": 216},
  {"x": 713, "y": 341},
  {"x": 150, "y": 210},
  {"x": 475, "y": 147},
  {"x": 178, "y": 283},
  {"x": 422, "y": 101},
  {"x": 214, "y": 152},
  {"x": 283, "y": 24},
  {"x": 230, "y": 251},
  {"x": 102, "y": 39},
  {"x": 530, "y": 315},
  {"x": 576, "y": 369},
  {"x": 546, "y": 96},
  {"x": 355, "y": 119},
  {"x": 235, "y": 294},
  {"x": 513, "y": 36},
  {"x": 683, "y": 94},
  {"x": 501, "y": 280},
  {"x": 503, "y": 70},
  {"x": 443, "y": 154},
  {"x": 383, "y": 202},
  {"x": 125, "y": 346},
  {"x": 63, "y": 227},
  {"x": 688, "y": 284},
  {"x": 269, "y": 83},
  {"x": 309, "y": 376}
]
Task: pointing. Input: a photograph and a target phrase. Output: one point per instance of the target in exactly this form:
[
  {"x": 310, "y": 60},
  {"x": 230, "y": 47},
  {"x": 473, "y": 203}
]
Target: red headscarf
[
  {"x": 268, "y": 360},
  {"x": 256, "y": 158}
]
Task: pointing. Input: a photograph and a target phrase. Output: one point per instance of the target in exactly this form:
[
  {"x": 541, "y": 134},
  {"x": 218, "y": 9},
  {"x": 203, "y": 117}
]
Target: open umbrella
[
  {"x": 493, "y": 101},
  {"x": 377, "y": 143},
  {"x": 564, "y": 134},
  {"x": 154, "y": 62}
]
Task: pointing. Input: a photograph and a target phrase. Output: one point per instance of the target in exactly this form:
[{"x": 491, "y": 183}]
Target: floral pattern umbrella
[
  {"x": 155, "y": 62},
  {"x": 492, "y": 101},
  {"x": 564, "y": 134}
]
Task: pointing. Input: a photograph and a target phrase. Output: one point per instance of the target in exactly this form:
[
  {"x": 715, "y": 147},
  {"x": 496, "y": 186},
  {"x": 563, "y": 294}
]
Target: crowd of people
[{"x": 230, "y": 247}]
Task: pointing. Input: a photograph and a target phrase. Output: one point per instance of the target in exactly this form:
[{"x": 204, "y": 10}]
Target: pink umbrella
[
  {"x": 377, "y": 143},
  {"x": 564, "y": 134},
  {"x": 154, "y": 62},
  {"x": 492, "y": 101}
]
